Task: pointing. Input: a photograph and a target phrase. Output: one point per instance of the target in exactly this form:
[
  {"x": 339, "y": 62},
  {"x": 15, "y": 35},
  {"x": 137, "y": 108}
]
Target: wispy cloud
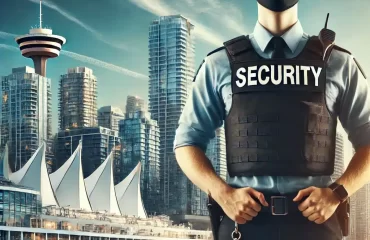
[
  {"x": 74, "y": 19},
  {"x": 7, "y": 35},
  {"x": 214, "y": 9},
  {"x": 160, "y": 8},
  {"x": 233, "y": 20},
  {"x": 90, "y": 60}
]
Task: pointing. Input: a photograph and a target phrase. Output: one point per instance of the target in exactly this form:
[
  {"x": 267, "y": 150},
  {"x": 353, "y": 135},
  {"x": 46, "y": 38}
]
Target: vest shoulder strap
[
  {"x": 314, "y": 45},
  {"x": 236, "y": 46},
  {"x": 216, "y": 50},
  {"x": 336, "y": 47},
  {"x": 210, "y": 53}
]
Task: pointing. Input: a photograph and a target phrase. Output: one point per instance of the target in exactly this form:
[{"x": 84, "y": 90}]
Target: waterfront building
[
  {"x": 109, "y": 116},
  {"x": 140, "y": 138},
  {"x": 25, "y": 121},
  {"x": 171, "y": 70},
  {"x": 77, "y": 99},
  {"x": 27, "y": 218}
]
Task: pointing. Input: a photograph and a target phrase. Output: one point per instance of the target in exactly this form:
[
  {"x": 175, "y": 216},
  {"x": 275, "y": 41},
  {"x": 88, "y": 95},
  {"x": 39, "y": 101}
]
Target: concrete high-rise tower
[
  {"x": 40, "y": 44},
  {"x": 109, "y": 117},
  {"x": 134, "y": 104},
  {"x": 24, "y": 109},
  {"x": 78, "y": 99},
  {"x": 171, "y": 70}
]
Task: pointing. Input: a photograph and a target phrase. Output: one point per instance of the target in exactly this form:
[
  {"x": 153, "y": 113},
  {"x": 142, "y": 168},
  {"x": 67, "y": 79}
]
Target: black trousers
[{"x": 289, "y": 227}]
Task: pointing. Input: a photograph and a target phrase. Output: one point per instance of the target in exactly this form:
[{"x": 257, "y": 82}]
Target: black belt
[{"x": 280, "y": 205}]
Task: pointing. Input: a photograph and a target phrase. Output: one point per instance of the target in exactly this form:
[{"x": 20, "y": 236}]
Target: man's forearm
[
  {"x": 357, "y": 173},
  {"x": 200, "y": 171}
]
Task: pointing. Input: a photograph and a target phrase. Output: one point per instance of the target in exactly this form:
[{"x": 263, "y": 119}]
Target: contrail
[
  {"x": 103, "y": 64},
  {"x": 92, "y": 61},
  {"x": 72, "y": 18},
  {"x": 8, "y": 47},
  {"x": 7, "y": 35}
]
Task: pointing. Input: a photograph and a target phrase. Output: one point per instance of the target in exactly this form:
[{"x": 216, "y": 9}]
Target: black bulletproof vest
[{"x": 278, "y": 123}]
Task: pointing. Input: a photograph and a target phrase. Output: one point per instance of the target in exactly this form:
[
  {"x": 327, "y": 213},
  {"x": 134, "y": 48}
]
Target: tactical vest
[{"x": 278, "y": 123}]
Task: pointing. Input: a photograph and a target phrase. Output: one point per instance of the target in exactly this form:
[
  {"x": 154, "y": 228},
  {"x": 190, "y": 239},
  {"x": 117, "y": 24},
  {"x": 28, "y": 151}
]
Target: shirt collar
[{"x": 292, "y": 37}]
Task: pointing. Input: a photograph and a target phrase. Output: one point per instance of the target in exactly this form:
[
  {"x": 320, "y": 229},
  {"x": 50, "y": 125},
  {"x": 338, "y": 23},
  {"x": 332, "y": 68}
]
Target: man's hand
[
  {"x": 239, "y": 205},
  {"x": 320, "y": 204}
]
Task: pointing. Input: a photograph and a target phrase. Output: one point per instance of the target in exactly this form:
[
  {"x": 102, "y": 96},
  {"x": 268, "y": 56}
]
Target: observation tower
[{"x": 40, "y": 44}]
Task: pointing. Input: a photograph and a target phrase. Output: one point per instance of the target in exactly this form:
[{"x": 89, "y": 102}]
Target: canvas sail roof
[
  {"x": 69, "y": 185},
  {"x": 100, "y": 188}
]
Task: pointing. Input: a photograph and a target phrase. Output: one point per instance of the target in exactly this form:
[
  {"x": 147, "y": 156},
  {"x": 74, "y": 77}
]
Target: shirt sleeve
[
  {"x": 354, "y": 105},
  {"x": 203, "y": 112}
]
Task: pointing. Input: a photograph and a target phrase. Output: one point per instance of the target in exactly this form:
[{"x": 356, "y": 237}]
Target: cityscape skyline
[
  {"x": 180, "y": 79},
  {"x": 114, "y": 54}
]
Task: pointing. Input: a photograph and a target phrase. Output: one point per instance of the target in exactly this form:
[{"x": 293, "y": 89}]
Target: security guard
[{"x": 279, "y": 94}]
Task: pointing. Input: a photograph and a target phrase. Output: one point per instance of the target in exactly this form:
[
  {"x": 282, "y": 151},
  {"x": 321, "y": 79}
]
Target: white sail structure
[
  {"x": 100, "y": 188},
  {"x": 129, "y": 196},
  {"x": 34, "y": 174},
  {"x": 69, "y": 185}
]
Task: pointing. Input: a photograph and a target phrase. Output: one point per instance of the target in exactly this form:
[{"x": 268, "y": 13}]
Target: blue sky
[{"x": 112, "y": 38}]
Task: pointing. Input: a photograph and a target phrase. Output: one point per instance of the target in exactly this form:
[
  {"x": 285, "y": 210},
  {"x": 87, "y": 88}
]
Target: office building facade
[
  {"x": 360, "y": 215},
  {"x": 339, "y": 156},
  {"x": 97, "y": 144},
  {"x": 134, "y": 104},
  {"x": 25, "y": 114},
  {"x": 216, "y": 153},
  {"x": 171, "y": 70},
  {"x": 140, "y": 140},
  {"x": 77, "y": 99},
  {"x": 109, "y": 116}
]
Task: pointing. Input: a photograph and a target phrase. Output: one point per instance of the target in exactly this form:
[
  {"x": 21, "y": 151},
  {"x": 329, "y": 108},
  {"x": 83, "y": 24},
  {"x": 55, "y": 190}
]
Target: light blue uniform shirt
[{"x": 347, "y": 97}]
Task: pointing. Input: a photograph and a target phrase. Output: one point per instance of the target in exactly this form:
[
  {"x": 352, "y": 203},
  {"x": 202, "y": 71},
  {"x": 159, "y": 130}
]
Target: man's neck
[{"x": 277, "y": 23}]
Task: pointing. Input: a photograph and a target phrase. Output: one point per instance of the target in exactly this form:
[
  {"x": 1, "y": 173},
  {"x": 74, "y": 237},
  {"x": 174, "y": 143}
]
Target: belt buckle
[{"x": 283, "y": 205}]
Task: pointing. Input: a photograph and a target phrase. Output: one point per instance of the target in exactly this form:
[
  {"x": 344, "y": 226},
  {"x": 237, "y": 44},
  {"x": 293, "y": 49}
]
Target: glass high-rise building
[
  {"x": 77, "y": 99},
  {"x": 109, "y": 117},
  {"x": 339, "y": 157},
  {"x": 25, "y": 114},
  {"x": 171, "y": 70},
  {"x": 97, "y": 144},
  {"x": 134, "y": 104},
  {"x": 140, "y": 141},
  {"x": 216, "y": 153},
  {"x": 360, "y": 214}
]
